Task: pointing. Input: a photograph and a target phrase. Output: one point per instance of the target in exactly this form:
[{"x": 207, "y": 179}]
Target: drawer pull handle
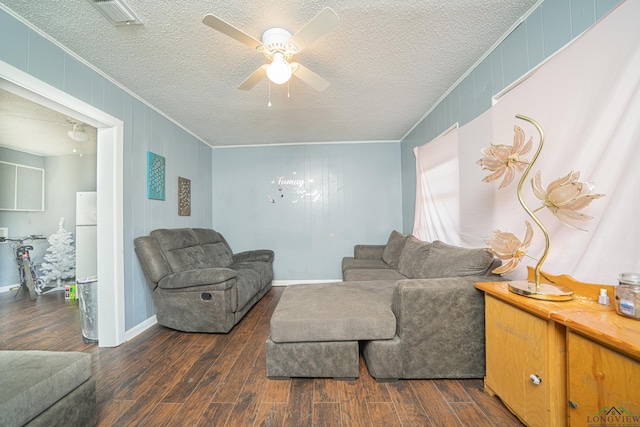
[
  {"x": 536, "y": 380},
  {"x": 573, "y": 404}
]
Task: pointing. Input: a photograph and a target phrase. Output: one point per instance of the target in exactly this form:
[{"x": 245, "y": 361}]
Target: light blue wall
[
  {"x": 550, "y": 27},
  {"x": 357, "y": 200},
  {"x": 144, "y": 129},
  {"x": 18, "y": 223},
  {"x": 64, "y": 176},
  {"x": 18, "y": 157}
]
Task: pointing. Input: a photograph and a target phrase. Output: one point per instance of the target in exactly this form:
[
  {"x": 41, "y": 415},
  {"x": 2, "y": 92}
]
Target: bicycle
[{"x": 29, "y": 280}]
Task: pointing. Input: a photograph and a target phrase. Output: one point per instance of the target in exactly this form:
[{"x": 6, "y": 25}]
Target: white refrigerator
[{"x": 86, "y": 235}]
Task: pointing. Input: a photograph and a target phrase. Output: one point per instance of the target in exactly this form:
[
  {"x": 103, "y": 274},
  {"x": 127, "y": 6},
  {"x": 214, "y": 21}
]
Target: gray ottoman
[
  {"x": 45, "y": 388},
  {"x": 338, "y": 359},
  {"x": 315, "y": 329}
]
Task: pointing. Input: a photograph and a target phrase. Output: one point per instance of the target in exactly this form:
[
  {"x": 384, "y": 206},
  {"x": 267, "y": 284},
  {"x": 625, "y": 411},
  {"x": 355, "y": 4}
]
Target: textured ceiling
[
  {"x": 387, "y": 62},
  {"x": 30, "y": 127}
]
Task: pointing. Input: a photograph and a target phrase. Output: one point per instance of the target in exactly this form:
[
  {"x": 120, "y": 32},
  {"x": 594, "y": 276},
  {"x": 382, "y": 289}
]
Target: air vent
[{"x": 116, "y": 11}]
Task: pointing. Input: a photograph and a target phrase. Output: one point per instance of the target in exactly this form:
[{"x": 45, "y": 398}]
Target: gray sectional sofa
[
  {"x": 411, "y": 307},
  {"x": 198, "y": 283}
]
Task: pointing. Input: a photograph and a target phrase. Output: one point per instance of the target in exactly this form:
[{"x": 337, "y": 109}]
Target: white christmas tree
[{"x": 61, "y": 257}]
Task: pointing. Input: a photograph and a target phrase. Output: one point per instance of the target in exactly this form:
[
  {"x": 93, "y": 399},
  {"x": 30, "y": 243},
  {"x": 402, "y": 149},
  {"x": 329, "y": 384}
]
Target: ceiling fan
[{"x": 279, "y": 46}]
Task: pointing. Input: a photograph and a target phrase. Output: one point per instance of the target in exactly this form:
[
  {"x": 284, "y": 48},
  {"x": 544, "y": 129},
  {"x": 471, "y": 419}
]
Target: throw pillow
[
  {"x": 453, "y": 261},
  {"x": 393, "y": 250},
  {"x": 413, "y": 256}
]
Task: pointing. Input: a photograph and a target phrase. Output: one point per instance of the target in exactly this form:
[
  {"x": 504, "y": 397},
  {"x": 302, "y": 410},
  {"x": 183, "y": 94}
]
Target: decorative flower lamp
[{"x": 564, "y": 197}]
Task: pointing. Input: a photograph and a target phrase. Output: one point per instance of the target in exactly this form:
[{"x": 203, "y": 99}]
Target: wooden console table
[{"x": 573, "y": 363}]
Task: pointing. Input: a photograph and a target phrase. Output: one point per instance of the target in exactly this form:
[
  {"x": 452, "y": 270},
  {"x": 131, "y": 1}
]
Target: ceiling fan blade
[
  {"x": 253, "y": 79},
  {"x": 228, "y": 29},
  {"x": 309, "y": 77},
  {"x": 319, "y": 25}
]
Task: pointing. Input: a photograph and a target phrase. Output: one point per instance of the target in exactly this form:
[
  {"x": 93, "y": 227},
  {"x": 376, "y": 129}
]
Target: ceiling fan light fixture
[
  {"x": 78, "y": 134},
  {"x": 279, "y": 71},
  {"x": 279, "y": 46}
]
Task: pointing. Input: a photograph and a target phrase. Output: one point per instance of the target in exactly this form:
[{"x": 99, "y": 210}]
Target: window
[{"x": 438, "y": 190}]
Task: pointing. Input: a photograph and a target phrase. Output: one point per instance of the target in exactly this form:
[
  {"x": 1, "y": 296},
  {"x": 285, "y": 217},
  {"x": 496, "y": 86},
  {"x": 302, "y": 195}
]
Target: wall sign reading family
[{"x": 293, "y": 189}]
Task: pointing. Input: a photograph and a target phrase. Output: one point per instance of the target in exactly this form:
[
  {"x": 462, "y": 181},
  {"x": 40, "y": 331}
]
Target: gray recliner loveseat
[{"x": 198, "y": 283}]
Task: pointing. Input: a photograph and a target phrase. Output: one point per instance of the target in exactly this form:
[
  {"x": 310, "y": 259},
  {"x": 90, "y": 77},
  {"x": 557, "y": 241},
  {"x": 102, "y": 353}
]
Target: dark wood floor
[{"x": 165, "y": 378}]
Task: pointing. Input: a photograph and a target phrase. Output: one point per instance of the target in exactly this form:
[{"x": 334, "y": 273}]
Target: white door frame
[{"x": 111, "y": 321}]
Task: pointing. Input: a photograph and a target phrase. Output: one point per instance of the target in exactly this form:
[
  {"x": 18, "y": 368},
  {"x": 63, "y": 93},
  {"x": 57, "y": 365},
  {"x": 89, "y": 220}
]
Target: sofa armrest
[
  {"x": 264, "y": 255},
  {"x": 206, "y": 279},
  {"x": 440, "y": 323},
  {"x": 152, "y": 260},
  {"x": 368, "y": 251}
]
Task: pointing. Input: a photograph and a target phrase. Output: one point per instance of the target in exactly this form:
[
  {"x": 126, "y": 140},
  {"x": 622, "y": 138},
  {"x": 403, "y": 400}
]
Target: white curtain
[
  {"x": 437, "y": 190},
  {"x": 587, "y": 100}
]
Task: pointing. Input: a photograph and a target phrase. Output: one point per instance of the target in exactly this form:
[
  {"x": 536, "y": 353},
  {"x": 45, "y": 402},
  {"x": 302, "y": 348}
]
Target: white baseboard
[
  {"x": 140, "y": 328},
  {"x": 9, "y": 287},
  {"x": 131, "y": 333},
  {"x": 274, "y": 283},
  {"x": 302, "y": 282}
]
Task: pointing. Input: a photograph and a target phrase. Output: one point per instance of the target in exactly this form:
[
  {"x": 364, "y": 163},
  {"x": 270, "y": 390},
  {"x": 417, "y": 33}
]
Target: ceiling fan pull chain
[
  {"x": 269, "y": 104},
  {"x": 288, "y": 96}
]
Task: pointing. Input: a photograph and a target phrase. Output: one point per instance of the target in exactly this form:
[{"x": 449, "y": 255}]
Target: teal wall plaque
[{"x": 155, "y": 176}]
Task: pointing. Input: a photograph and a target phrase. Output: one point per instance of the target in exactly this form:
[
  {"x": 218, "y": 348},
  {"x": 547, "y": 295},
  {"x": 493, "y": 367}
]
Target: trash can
[{"x": 88, "y": 301}]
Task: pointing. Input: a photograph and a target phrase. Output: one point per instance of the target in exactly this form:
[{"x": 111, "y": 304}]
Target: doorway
[{"x": 110, "y": 136}]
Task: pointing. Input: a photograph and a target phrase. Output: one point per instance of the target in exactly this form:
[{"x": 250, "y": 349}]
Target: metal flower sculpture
[{"x": 564, "y": 197}]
